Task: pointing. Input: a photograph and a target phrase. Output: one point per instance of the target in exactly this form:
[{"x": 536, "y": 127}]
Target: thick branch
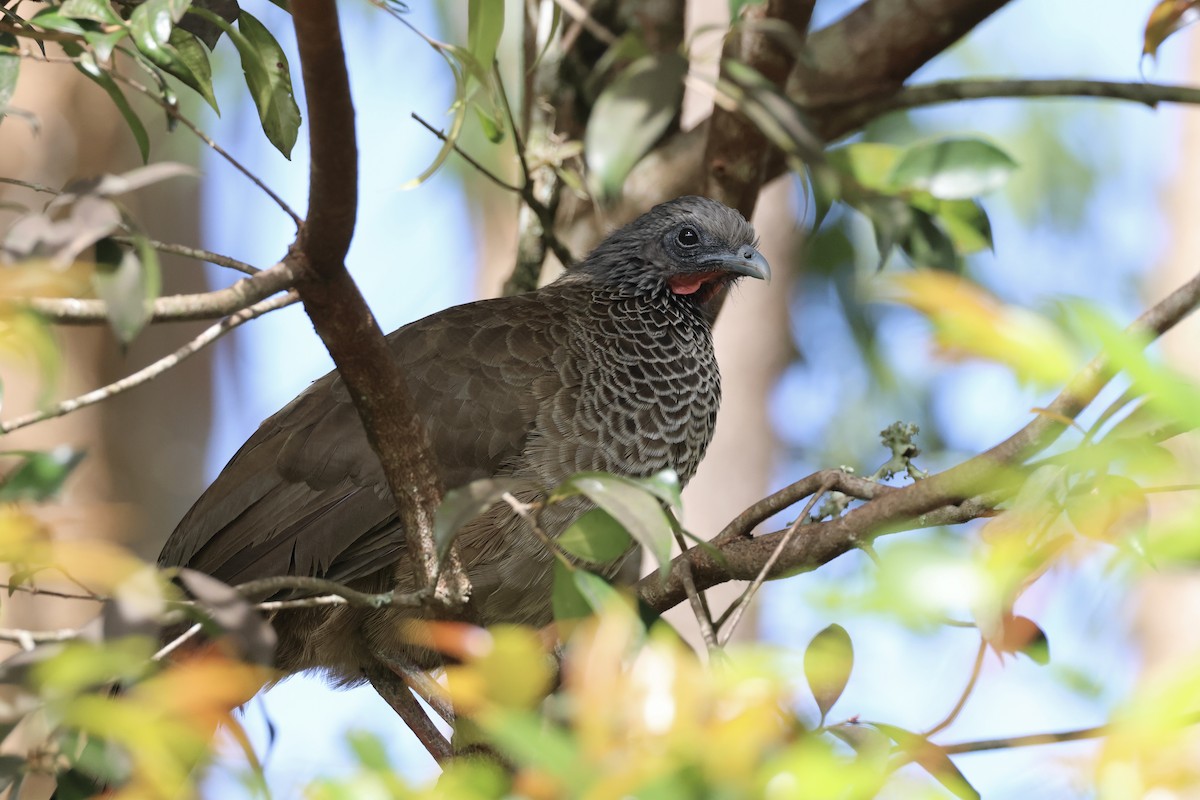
[
  {"x": 871, "y": 51},
  {"x": 736, "y": 153},
  {"x": 332, "y": 300},
  {"x": 176, "y": 307}
]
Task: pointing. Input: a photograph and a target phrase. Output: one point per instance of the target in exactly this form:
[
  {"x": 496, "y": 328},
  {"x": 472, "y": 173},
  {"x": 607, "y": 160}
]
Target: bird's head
[{"x": 691, "y": 246}]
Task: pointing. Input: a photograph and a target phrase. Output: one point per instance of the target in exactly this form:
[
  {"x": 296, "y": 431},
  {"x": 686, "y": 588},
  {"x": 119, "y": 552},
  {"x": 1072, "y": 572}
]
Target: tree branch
[
  {"x": 943, "y": 499},
  {"x": 177, "y": 307},
  {"x": 928, "y": 94},
  {"x": 152, "y": 371},
  {"x": 736, "y": 153},
  {"x": 334, "y": 304}
]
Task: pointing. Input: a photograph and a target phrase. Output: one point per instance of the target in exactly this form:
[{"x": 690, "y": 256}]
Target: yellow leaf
[
  {"x": 509, "y": 669},
  {"x": 969, "y": 322},
  {"x": 1167, "y": 17}
]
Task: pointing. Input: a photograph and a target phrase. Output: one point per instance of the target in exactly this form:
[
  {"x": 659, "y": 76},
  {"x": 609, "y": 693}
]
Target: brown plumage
[{"x": 610, "y": 368}]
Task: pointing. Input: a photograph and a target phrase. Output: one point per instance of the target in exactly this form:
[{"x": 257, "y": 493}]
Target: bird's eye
[{"x": 688, "y": 237}]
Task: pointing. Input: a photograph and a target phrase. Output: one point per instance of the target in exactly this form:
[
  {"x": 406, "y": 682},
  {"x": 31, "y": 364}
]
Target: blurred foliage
[{"x": 602, "y": 705}]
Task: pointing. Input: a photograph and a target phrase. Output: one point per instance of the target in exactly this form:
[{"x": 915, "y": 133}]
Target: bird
[{"x": 609, "y": 367}]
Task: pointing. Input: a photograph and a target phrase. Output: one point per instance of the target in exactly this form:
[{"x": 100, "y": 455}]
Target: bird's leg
[{"x": 395, "y": 693}]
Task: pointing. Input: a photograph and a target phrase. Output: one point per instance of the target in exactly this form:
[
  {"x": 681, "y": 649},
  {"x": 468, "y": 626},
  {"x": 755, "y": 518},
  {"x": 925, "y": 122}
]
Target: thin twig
[
  {"x": 530, "y": 186},
  {"x": 976, "y": 669},
  {"x": 583, "y": 16},
  {"x": 835, "y": 479},
  {"x": 29, "y": 639},
  {"x": 152, "y": 371},
  {"x": 177, "y": 115},
  {"x": 173, "y": 111},
  {"x": 269, "y": 586},
  {"x": 35, "y": 590},
  {"x": 177, "y": 642},
  {"x": 530, "y": 513},
  {"x": 937, "y": 92},
  {"x": 487, "y": 173},
  {"x": 36, "y": 187},
  {"x": 699, "y": 606},
  {"x": 1009, "y": 742},
  {"x": 196, "y": 253},
  {"x": 744, "y": 601}
]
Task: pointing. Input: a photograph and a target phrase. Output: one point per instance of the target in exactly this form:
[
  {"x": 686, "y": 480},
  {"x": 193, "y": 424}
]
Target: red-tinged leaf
[
  {"x": 828, "y": 661},
  {"x": 1020, "y": 635},
  {"x": 1167, "y": 17}
]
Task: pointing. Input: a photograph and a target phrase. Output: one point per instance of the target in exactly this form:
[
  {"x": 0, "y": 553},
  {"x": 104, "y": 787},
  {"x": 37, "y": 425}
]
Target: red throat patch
[{"x": 691, "y": 282}]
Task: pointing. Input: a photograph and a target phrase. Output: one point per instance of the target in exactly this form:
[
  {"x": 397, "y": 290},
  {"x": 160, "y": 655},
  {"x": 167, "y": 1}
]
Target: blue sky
[{"x": 413, "y": 253}]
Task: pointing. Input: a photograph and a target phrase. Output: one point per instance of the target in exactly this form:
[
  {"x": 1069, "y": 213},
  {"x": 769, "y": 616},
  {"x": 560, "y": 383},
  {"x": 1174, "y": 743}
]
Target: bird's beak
[{"x": 745, "y": 261}]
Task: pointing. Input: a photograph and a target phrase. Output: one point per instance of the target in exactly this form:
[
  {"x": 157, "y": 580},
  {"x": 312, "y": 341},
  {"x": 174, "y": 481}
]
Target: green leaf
[
  {"x": 86, "y": 64},
  {"x": 172, "y": 49},
  {"x": 33, "y": 335},
  {"x": 52, "y": 19},
  {"x": 10, "y": 67},
  {"x": 151, "y": 23},
  {"x": 11, "y": 769},
  {"x": 270, "y": 82},
  {"x": 126, "y": 285},
  {"x": 103, "y": 43},
  {"x": 932, "y": 759},
  {"x": 485, "y": 24},
  {"x": 578, "y": 593},
  {"x": 267, "y": 76},
  {"x": 828, "y": 661},
  {"x": 928, "y": 245},
  {"x": 39, "y": 476},
  {"x": 461, "y": 505},
  {"x": 870, "y": 164},
  {"x": 369, "y": 750},
  {"x": 630, "y": 116},
  {"x": 665, "y": 486},
  {"x": 953, "y": 169},
  {"x": 192, "y": 65},
  {"x": 966, "y": 223},
  {"x": 596, "y": 537},
  {"x": 565, "y": 599},
  {"x": 736, "y": 7},
  {"x": 493, "y": 125},
  {"x": 526, "y": 739},
  {"x": 633, "y": 505},
  {"x": 94, "y": 10}
]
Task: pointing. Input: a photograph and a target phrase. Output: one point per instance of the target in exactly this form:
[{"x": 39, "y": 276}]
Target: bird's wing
[{"x": 305, "y": 495}]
